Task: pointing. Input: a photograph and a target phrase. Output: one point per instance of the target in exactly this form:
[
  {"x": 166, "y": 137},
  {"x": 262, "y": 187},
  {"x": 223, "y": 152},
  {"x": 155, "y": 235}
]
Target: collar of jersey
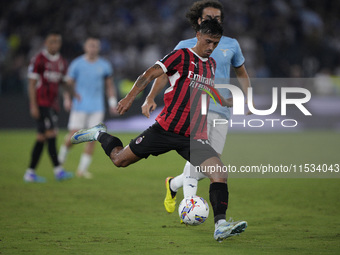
[
  {"x": 203, "y": 59},
  {"x": 49, "y": 56}
]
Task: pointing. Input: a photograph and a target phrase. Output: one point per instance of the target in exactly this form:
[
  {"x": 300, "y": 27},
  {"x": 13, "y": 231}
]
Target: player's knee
[{"x": 120, "y": 162}]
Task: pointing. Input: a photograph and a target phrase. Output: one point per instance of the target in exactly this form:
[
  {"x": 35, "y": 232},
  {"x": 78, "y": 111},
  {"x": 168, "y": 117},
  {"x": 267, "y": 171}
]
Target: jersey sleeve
[
  {"x": 238, "y": 58},
  {"x": 171, "y": 61},
  {"x": 108, "y": 70},
  {"x": 72, "y": 72},
  {"x": 35, "y": 68}
]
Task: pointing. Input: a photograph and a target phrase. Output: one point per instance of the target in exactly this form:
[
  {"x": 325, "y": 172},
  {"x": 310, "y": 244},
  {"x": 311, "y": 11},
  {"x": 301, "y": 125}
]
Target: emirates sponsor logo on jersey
[
  {"x": 200, "y": 79},
  {"x": 52, "y": 76}
]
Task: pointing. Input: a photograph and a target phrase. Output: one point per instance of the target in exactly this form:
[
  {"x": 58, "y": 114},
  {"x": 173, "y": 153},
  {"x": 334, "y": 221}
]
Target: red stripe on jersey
[{"x": 185, "y": 93}]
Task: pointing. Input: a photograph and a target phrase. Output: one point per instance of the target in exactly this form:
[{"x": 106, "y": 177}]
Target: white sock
[
  {"x": 97, "y": 134},
  {"x": 189, "y": 180},
  {"x": 189, "y": 186},
  {"x": 30, "y": 171},
  {"x": 176, "y": 182},
  {"x": 85, "y": 162},
  {"x": 57, "y": 169},
  {"x": 219, "y": 223},
  {"x": 63, "y": 151}
]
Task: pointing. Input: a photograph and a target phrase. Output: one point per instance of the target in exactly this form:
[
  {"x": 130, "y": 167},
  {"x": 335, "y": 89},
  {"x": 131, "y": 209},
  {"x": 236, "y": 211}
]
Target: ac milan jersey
[
  {"x": 190, "y": 76},
  {"x": 49, "y": 70}
]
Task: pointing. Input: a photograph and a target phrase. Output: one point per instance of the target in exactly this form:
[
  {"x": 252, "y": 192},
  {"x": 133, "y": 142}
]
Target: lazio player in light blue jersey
[
  {"x": 227, "y": 54},
  {"x": 92, "y": 77}
]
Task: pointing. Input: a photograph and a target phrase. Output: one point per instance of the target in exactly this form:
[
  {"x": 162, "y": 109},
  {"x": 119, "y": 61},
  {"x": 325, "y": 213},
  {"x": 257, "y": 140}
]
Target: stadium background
[{"x": 279, "y": 39}]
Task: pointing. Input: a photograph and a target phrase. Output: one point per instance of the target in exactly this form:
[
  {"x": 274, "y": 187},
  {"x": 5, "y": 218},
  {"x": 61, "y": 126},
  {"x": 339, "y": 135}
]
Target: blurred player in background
[
  {"x": 228, "y": 53},
  {"x": 46, "y": 71},
  {"x": 191, "y": 71},
  {"x": 91, "y": 75}
]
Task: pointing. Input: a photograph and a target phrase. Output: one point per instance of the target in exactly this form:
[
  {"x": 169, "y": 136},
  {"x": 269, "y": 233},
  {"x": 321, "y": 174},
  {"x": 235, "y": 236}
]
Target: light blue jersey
[
  {"x": 227, "y": 53},
  {"x": 90, "y": 83}
]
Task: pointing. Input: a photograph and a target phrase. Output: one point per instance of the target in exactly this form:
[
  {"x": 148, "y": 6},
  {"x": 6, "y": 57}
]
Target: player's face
[
  {"x": 53, "y": 43},
  {"x": 210, "y": 13},
  {"x": 206, "y": 44},
  {"x": 92, "y": 47}
]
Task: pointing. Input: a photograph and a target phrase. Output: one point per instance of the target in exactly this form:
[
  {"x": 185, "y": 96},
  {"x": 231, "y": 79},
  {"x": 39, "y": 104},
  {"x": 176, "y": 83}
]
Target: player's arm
[
  {"x": 68, "y": 85},
  {"x": 67, "y": 98},
  {"x": 111, "y": 94},
  {"x": 34, "y": 109},
  {"x": 225, "y": 101},
  {"x": 149, "y": 104},
  {"x": 140, "y": 84},
  {"x": 243, "y": 78}
]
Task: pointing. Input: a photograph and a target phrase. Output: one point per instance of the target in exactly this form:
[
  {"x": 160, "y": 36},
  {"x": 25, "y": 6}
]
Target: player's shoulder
[
  {"x": 38, "y": 57},
  {"x": 228, "y": 41},
  {"x": 78, "y": 59},
  {"x": 103, "y": 61}
]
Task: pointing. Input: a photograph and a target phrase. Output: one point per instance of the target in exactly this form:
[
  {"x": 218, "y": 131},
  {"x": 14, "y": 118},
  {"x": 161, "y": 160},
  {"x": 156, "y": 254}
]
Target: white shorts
[
  {"x": 79, "y": 120},
  {"x": 218, "y": 134}
]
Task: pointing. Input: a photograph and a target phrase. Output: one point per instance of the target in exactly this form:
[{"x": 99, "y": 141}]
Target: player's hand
[
  {"x": 124, "y": 105},
  {"x": 249, "y": 112},
  {"x": 35, "y": 113},
  {"x": 148, "y": 107},
  {"x": 77, "y": 96},
  {"x": 67, "y": 104},
  {"x": 229, "y": 102},
  {"x": 113, "y": 111}
]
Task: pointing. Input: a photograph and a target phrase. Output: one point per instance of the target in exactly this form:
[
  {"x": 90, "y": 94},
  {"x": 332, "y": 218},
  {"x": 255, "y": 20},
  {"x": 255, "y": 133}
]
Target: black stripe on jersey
[
  {"x": 195, "y": 104},
  {"x": 175, "y": 62},
  {"x": 179, "y": 90},
  {"x": 188, "y": 119}
]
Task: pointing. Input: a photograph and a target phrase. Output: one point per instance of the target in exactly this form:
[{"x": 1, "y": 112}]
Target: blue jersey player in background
[
  {"x": 92, "y": 77},
  {"x": 228, "y": 53}
]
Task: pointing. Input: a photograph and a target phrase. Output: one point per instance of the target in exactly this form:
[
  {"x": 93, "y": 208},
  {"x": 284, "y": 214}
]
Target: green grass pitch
[{"x": 121, "y": 211}]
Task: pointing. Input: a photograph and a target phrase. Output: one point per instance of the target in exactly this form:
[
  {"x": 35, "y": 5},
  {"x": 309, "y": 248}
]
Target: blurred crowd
[{"x": 279, "y": 38}]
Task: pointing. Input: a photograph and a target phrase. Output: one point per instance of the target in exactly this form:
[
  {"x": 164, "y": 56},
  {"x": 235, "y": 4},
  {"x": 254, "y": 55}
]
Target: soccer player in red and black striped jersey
[
  {"x": 46, "y": 71},
  {"x": 180, "y": 126}
]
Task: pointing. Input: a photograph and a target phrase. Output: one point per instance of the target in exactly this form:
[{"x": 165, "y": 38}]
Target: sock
[
  {"x": 52, "y": 150},
  {"x": 219, "y": 196},
  {"x": 190, "y": 180},
  {"x": 63, "y": 151},
  {"x": 176, "y": 182},
  {"x": 219, "y": 222},
  {"x": 57, "y": 169},
  {"x": 30, "y": 171},
  {"x": 85, "y": 161},
  {"x": 189, "y": 186},
  {"x": 109, "y": 142},
  {"x": 36, "y": 153}
]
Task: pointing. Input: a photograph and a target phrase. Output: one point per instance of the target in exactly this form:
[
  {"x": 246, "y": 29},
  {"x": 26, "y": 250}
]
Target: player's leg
[
  {"x": 188, "y": 180},
  {"x": 77, "y": 120},
  {"x": 30, "y": 174},
  {"x": 50, "y": 121},
  {"x": 219, "y": 199},
  {"x": 112, "y": 145},
  {"x": 86, "y": 158}
]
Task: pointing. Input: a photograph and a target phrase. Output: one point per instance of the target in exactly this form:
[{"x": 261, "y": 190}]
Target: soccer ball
[{"x": 193, "y": 210}]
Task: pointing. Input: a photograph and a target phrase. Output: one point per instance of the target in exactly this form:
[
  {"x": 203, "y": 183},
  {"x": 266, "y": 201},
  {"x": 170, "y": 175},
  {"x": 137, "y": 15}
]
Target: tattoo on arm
[
  {"x": 156, "y": 66},
  {"x": 141, "y": 82}
]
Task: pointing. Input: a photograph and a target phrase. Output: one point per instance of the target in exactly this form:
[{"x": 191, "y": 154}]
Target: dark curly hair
[
  {"x": 196, "y": 11},
  {"x": 211, "y": 27}
]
